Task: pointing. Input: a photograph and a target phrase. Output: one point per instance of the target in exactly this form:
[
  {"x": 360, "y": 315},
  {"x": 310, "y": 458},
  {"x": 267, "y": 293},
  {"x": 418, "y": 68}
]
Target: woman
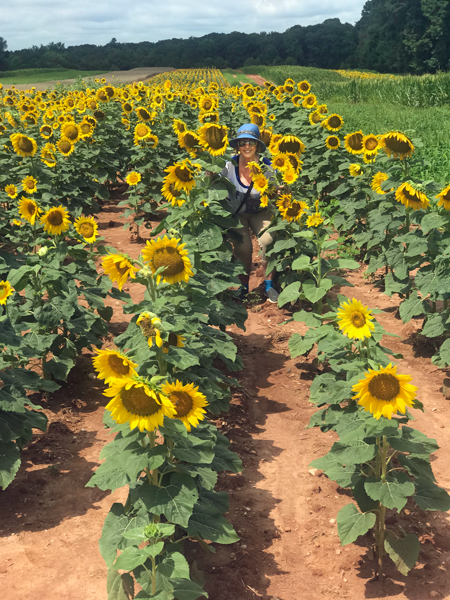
[{"x": 246, "y": 204}]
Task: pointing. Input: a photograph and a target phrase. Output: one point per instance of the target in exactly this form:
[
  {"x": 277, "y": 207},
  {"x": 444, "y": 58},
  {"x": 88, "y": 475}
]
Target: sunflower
[
  {"x": 207, "y": 103},
  {"x": 28, "y": 210},
  {"x": 189, "y": 403},
  {"x": 314, "y": 220},
  {"x": 410, "y": 197},
  {"x": 133, "y": 401},
  {"x": 290, "y": 176},
  {"x": 371, "y": 145},
  {"x": 213, "y": 138},
  {"x": 354, "y": 142},
  {"x": 11, "y": 190},
  {"x": 396, "y": 144},
  {"x": 151, "y": 328},
  {"x": 65, "y": 147},
  {"x": 87, "y": 228},
  {"x": 284, "y": 203},
  {"x": 113, "y": 365},
  {"x": 355, "y": 170},
  {"x": 46, "y": 131},
  {"x": 86, "y": 130},
  {"x": 118, "y": 268},
  {"x": 254, "y": 168},
  {"x": 332, "y": 142},
  {"x": 384, "y": 392},
  {"x": 29, "y": 184},
  {"x": 355, "y": 320},
  {"x": 179, "y": 126},
  {"x": 294, "y": 211},
  {"x": 23, "y": 145},
  {"x": 189, "y": 140},
  {"x": 143, "y": 114},
  {"x": 208, "y": 117},
  {"x": 56, "y": 220},
  {"x": 48, "y": 155},
  {"x": 141, "y": 131},
  {"x": 133, "y": 178},
  {"x": 152, "y": 140},
  {"x": 281, "y": 161},
  {"x": 168, "y": 253},
  {"x": 263, "y": 201},
  {"x": 315, "y": 117},
  {"x": 297, "y": 100},
  {"x": 377, "y": 180},
  {"x": 322, "y": 109},
  {"x": 71, "y": 131},
  {"x": 290, "y": 144},
  {"x": 260, "y": 183},
  {"x": 171, "y": 194},
  {"x": 444, "y": 198},
  {"x": 304, "y": 87},
  {"x": 333, "y": 122},
  {"x": 181, "y": 174},
  {"x": 173, "y": 340},
  {"x": 266, "y": 136},
  {"x": 6, "y": 290}
]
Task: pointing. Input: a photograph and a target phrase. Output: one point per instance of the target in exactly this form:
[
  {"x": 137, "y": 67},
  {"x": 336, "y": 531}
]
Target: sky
[{"x": 25, "y": 23}]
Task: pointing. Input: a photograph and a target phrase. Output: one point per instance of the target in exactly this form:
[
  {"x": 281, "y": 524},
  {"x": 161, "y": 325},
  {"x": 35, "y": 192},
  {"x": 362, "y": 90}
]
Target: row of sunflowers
[{"x": 63, "y": 150}]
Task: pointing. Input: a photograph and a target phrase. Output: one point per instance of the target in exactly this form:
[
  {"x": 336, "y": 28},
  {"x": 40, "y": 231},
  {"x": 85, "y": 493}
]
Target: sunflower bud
[
  {"x": 42, "y": 251},
  {"x": 152, "y": 531},
  {"x": 145, "y": 272},
  {"x": 174, "y": 233}
]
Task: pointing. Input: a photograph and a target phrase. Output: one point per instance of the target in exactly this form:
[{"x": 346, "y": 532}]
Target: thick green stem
[
  {"x": 319, "y": 272},
  {"x": 381, "y": 517},
  {"x": 153, "y": 576}
]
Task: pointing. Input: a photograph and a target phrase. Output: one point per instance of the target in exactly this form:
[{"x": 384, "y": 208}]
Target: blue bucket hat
[{"x": 249, "y": 131}]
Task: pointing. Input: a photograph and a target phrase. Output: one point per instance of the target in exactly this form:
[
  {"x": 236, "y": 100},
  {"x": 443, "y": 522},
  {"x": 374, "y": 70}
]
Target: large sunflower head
[
  {"x": 56, "y": 220},
  {"x": 118, "y": 268},
  {"x": 189, "y": 140},
  {"x": 28, "y": 210},
  {"x": 260, "y": 182},
  {"x": 355, "y": 320},
  {"x": 171, "y": 194},
  {"x": 304, "y": 87},
  {"x": 141, "y": 131},
  {"x": 189, "y": 403},
  {"x": 143, "y": 114},
  {"x": 396, "y": 144},
  {"x": 213, "y": 138},
  {"x": 333, "y": 122},
  {"x": 48, "y": 155},
  {"x": 29, "y": 184},
  {"x": 371, "y": 145},
  {"x": 46, "y": 131},
  {"x": 113, "y": 365},
  {"x": 444, "y": 198},
  {"x": 5, "y": 291},
  {"x": 170, "y": 254},
  {"x": 179, "y": 126},
  {"x": 281, "y": 161},
  {"x": 384, "y": 392},
  {"x": 411, "y": 197},
  {"x": 354, "y": 142},
  {"x": 71, "y": 131},
  {"x": 290, "y": 144},
  {"x": 314, "y": 220},
  {"x": 181, "y": 174},
  {"x": 134, "y": 401},
  {"x": 23, "y": 145},
  {"x": 309, "y": 101},
  {"x": 65, "y": 146},
  {"x": 87, "y": 228}
]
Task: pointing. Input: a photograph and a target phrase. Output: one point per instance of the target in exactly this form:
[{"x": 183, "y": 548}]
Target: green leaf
[
  {"x": 187, "y": 590},
  {"x": 412, "y": 307},
  {"x": 432, "y": 220},
  {"x": 132, "y": 556},
  {"x": 116, "y": 523},
  {"x": 336, "y": 471},
  {"x": 430, "y": 496},
  {"x": 351, "y": 523},
  {"x": 310, "y": 319},
  {"x": 301, "y": 262},
  {"x": 393, "y": 492},
  {"x": 434, "y": 325},
  {"x": 289, "y": 294},
  {"x": 365, "y": 502},
  {"x": 299, "y": 345},
  {"x": 313, "y": 292},
  {"x": 403, "y": 551},
  {"x": 119, "y": 587},
  {"x": 353, "y": 453},
  {"x": 209, "y": 237},
  {"x": 208, "y": 523},
  {"x": 417, "y": 467},
  {"x": 175, "y": 501},
  {"x": 9, "y": 463}
]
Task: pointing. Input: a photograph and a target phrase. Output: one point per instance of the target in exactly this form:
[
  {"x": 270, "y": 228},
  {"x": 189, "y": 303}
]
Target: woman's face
[{"x": 249, "y": 149}]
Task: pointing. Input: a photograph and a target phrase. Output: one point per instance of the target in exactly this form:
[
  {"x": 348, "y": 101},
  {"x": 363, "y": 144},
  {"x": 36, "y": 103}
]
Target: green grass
[
  {"x": 240, "y": 77},
  {"x": 41, "y": 75}
]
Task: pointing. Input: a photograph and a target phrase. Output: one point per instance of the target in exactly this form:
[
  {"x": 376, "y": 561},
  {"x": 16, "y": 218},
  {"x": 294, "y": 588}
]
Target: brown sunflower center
[
  {"x": 371, "y": 143},
  {"x": 315, "y": 118},
  {"x": 215, "y": 137},
  {"x": 25, "y": 144},
  {"x": 46, "y": 130},
  {"x": 183, "y": 174},
  {"x": 190, "y": 141},
  {"x": 358, "y": 319},
  {"x": 31, "y": 208},
  {"x": 65, "y": 146},
  {"x": 102, "y": 96},
  {"x": 335, "y": 121},
  {"x": 85, "y": 128},
  {"x": 87, "y": 229},
  {"x": 137, "y": 402},
  {"x": 141, "y": 130},
  {"x": 118, "y": 365},
  {"x": 182, "y": 402},
  {"x": 280, "y": 163},
  {"x": 333, "y": 141},
  {"x": 355, "y": 141},
  {"x": 173, "y": 191},
  {"x": 207, "y": 105},
  {"x": 292, "y": 146},
  {"x": 29, "y": 184},
  {"x": 384, "y": 387},
  {"x": 99, "y": 114},
  {"x": 55, "y": 218},
  {"x": 304, "y": 87},
  {"x": 71, "y": 132},
  {"x": 396, "y": 145},
  {"x": 411, "y": 196},
  {"x": 122, "y": 270},
  {"x": 170, "y": 259},
  {"x": 293, "y": 210},
  {"x": 143, "y": 114}
]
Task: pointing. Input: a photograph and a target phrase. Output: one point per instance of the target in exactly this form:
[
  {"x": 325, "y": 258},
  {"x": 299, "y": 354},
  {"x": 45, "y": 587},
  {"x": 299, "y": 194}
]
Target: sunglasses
[{"x": 243, "y": 143}]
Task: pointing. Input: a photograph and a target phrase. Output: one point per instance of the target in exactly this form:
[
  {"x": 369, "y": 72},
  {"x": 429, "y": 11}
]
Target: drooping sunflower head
[
  {"x": 190, "y": 141},
  {"x": 295, "y": 210},
  {"x": 143, "y": 114},
  {"x": 56, "y": 220},
  {"x": 181, "y": 174},
  {"x": 355, "y": 320},
  {"x": 188, "y": 402},
  {"x": 173, "y": 340},
  {"x": 48, "y": 155},
  {"x": 87, "y": 228},
  {"x": 6, "y": 290},
  {"x": 384, "y": 392},
  {"x": 315, "y": 117},
  {"x": 396, "y": 144},
  {"x": 151, "y": 328},
  {"x": 355, "y": 170},
  {"x": 377, "y": 180},
  {"x": 46, "y": 131},
  {"x": 23, "y": 145},
  {"x": 444, "y": 198},
  {"x": 171, "y": 194},
  {"x": 213, "y": 138},
  {"x": 29, "y": 210},
  {"x": 112, "y": 365},
  {"x": 354, "y": 142},
  {"x": 254, "y": 168},
  {"x": 133, "y": 178},
  {"x": 118, "y": 268},
  {"x": 29, "y": 184},
  {"x": 170, "y": 254},
  {"x": 179, "y": 126},
  {"x": 332, "y": 142},
  {"x": 412, "y": 197},
  {"x": 134, "y": 401},
  {"x": 291, "y": 144}
]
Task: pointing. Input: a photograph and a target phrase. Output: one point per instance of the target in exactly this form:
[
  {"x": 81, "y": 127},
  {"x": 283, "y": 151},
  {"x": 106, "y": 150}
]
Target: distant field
[
  {"x": 40, "y": 75},
  {"x": 236, "y": 77}
]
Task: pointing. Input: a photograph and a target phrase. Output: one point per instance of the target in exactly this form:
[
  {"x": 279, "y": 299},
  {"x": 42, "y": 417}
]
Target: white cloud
[{"x": 25, "y": 23}]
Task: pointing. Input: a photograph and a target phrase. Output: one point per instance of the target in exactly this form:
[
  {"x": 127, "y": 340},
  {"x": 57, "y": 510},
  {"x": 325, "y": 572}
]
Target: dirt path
[
  {"x": 257, "y": 79},
  {"x": 289, "y": 549},
  {"x": 114, "y": 77}
]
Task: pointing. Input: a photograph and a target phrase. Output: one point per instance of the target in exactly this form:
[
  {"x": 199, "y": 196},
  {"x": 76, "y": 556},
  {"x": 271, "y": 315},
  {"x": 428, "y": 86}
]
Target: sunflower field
[{"x": 63, "y": 151}]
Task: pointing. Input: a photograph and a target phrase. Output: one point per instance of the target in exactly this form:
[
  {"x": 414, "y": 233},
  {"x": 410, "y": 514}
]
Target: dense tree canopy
[{"x": 395, "y": 36}]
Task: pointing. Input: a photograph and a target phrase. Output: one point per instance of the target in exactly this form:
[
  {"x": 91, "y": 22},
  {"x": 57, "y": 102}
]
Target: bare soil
[{"x": 50, "y": 522}]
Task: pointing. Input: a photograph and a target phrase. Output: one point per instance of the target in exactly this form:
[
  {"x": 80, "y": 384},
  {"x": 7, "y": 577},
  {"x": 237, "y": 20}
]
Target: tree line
[{"x": 392, "y": 36}]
